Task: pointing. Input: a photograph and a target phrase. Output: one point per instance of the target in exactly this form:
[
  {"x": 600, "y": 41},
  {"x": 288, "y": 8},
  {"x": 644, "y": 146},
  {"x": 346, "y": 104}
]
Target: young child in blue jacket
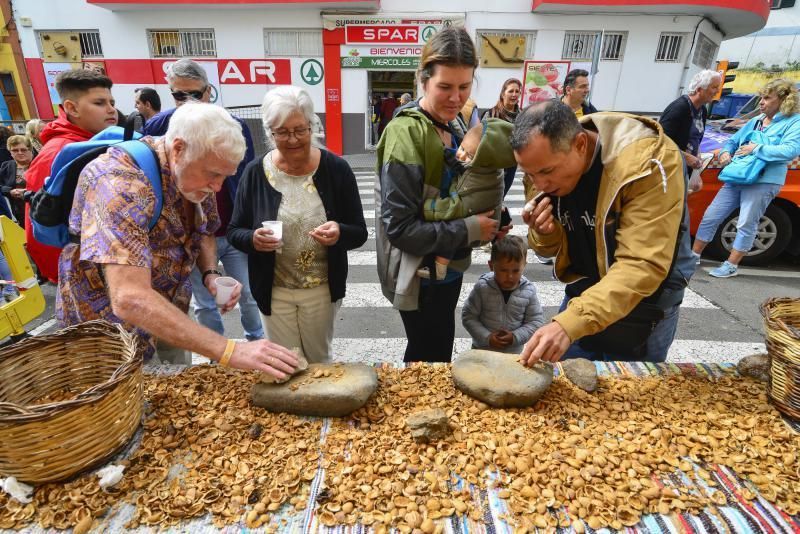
[{"x": 503, "y": 311}]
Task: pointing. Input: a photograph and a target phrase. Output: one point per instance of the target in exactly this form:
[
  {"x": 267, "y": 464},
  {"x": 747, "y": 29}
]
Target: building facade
[{"x": 641, "y": 52}]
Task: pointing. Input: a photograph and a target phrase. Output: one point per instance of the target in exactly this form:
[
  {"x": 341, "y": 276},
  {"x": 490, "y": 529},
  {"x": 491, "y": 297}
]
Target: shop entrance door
[{"x": 383, "y": 87}]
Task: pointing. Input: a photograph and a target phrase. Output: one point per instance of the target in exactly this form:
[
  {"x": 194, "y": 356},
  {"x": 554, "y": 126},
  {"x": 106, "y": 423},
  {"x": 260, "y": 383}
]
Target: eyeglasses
[
  {"x": 182, "y": 96},
  {"x": 298, "y": 133}
]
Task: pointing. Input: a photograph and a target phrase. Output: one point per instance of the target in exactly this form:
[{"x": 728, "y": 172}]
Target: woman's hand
[
  {"x": 744, "y": 150},
  {"x": 264, "y": 242},
  {"x": 326, "y": 234},
  {"x": 724, "y": 158},
  {"x": 488, "y": 226}
]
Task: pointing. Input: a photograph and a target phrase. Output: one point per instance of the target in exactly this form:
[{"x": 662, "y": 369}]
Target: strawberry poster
[{"x": 543, "y": 80}]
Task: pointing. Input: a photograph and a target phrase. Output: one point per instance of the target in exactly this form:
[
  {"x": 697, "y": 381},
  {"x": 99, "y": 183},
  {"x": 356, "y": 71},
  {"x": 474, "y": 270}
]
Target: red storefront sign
[
  {"x": 383, "y": 34},
  {"x": 243, "y": 71}
]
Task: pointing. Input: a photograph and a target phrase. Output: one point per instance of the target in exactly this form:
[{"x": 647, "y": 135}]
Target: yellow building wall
[
  {"x": 752, "y": 81},
  {"x": 7, "y": 64}
]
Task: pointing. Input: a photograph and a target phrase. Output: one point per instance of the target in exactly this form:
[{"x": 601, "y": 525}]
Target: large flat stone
[
  {"x": 499, "y": 379},
  {"x": 347, "y": 389}
]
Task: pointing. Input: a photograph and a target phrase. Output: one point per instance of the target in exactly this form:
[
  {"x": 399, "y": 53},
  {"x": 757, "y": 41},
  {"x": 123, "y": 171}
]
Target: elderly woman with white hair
[
  {"x": 684, "y": 120},
  {"x": 297, "y": 278},
  {"x": 124, "y": 271}
]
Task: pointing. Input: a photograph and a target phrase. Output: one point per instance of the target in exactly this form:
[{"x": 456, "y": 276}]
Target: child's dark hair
[
  {"x": 511, "y": 247},
  {"x": 71, "y": 84}
]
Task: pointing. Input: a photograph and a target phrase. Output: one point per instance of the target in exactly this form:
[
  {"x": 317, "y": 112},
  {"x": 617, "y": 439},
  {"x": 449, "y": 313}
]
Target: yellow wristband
[{"x": 226, "y": 356}]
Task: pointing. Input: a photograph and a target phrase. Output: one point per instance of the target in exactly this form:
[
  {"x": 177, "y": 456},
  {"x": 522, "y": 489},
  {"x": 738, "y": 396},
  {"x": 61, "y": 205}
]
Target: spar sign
[{"x": 384, "y": 34}]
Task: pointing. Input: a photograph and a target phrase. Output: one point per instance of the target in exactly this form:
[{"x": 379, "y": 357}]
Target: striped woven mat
[{"x": 739, "y": 515}]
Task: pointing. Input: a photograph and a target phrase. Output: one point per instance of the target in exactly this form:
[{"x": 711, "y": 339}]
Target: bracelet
[
  {"x": 226, "y": 356},
  {"x": 210, "y": 271}
]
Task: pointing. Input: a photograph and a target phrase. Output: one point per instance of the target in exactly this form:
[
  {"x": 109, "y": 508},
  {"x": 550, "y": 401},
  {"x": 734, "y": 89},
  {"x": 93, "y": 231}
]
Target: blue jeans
[
  {"x": 5, "y": 274},
  {"x": 752, "y": 201},
  {"x": 657, "y": 344},
  {"x": 205, "y": 308}
]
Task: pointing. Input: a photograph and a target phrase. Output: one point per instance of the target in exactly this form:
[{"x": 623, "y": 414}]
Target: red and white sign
[
  {"x": 383, "y": 34},
  {"x": 243, "y": 71}
]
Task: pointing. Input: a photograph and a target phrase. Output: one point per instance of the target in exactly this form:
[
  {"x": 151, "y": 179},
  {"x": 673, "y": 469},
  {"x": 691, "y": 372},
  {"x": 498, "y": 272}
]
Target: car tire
[{"x": 774, "y": 234}]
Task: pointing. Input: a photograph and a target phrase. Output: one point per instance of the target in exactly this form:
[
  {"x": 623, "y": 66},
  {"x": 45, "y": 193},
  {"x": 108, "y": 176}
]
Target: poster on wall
[
  {"x": 543, "y": 80},
  {"x": 51, "y": 71}
]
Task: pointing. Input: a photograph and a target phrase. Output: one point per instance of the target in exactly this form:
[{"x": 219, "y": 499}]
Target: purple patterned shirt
[{"x": 113, "y": 205}]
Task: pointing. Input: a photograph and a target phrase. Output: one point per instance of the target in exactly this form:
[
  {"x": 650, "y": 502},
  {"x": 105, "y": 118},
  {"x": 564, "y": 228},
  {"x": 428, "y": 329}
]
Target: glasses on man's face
[
  {"x": 297, "y": 133},
  {"x": 182, "y": 96}
]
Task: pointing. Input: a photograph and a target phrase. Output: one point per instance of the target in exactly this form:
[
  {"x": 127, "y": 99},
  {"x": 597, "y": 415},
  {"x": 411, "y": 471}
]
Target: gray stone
[
  {"x": 429, "y": 425},
  {"x": 499, "y": 379},
  {"x": 582, "y": 373},
  {"x": 755, "y": 366},
  {"x": 347, "y": 389}
]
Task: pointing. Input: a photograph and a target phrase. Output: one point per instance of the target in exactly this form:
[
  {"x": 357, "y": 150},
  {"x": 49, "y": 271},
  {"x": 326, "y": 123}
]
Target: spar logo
[{"x": 383, "y": 34}]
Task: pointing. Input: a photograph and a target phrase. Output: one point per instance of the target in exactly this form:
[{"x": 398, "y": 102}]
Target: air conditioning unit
[{"x": 60, "y": 47}]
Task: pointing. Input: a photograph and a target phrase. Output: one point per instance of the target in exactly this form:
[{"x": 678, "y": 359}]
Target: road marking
[
  {"x": 369, "y": 295},
  {"x": 390, "y": 350},
  {"x": 44, "y": 327}
]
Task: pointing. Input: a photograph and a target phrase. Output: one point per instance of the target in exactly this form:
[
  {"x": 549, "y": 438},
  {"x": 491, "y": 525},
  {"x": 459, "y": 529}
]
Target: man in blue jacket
[{"x": 189, "y": 82}]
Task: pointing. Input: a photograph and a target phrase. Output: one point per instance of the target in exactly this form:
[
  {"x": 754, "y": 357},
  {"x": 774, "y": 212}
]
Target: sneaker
[
  {"x": 726, "y": 270},
  {"x": 696, "y": 257},
  {"x": 543, "y": 260}
]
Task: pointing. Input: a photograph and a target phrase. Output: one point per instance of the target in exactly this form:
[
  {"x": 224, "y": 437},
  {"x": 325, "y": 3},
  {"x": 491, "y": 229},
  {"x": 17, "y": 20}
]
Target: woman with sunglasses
[{"x": 297, "y": 278}]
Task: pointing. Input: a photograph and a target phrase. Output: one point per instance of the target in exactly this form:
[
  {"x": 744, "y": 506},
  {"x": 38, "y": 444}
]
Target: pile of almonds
[{"x": 636, "y": 446}]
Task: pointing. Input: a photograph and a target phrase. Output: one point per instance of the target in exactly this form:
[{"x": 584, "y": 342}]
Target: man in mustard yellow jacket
[{"x": 606, "y": 198}]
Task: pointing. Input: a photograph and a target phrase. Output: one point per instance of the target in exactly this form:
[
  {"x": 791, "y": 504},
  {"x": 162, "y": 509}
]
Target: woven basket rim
[
  {"x": 16, "y": 413},
  {"x": 776, "y": 322}
]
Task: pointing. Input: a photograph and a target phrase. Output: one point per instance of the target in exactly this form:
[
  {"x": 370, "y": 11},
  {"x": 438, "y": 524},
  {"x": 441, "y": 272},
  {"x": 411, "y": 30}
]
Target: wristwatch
[{"x": 210, "y": 271}]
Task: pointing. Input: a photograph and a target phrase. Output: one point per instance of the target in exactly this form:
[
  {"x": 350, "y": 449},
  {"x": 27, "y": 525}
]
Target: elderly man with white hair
[
  {"x": 123, "y": 271},
  {"x": 684, "y": 120},
  {"x": 188, "y": 83}
]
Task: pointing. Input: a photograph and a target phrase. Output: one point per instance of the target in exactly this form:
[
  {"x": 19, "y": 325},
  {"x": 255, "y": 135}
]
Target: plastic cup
[
  {"x": 225, "y": 286},
  {"x": 275, "y": 226}
]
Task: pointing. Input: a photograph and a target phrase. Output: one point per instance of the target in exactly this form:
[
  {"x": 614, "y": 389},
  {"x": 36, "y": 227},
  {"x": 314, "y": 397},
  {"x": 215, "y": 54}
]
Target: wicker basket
[
  {"x": 782, "y": 321},
  {"x": 99, "y": 364}
]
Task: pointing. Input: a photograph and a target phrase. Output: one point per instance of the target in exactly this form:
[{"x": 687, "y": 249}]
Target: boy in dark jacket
[{"x": 503, "y": 311}]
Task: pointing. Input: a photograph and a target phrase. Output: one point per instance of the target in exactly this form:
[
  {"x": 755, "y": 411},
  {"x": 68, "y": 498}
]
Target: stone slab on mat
[
  {"x": 499, "y": 379},
  {"x": 756, "y": 366},
  {"x": 428, "y": 425},
  {"x": 347, "y": 389},
  {"x": 581, "y": 372}
]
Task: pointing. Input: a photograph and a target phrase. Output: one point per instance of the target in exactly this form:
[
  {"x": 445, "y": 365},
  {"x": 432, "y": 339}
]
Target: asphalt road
[{"x": 719, "y": 320}]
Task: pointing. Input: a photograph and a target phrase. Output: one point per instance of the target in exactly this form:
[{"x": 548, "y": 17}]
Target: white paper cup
[
  {"x": 225, "y": 286},
  {"x": 275, "y": 226}
]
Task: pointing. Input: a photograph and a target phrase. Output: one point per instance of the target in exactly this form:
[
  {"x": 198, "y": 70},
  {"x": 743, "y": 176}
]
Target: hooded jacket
[
  {"x": 481, "y": 186},
  {"x": 641, "y": 210},
  {"x": 486, "y": 311},
  {"x": 410, "y": 169},
  {"x": 54, "y": 136}
]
